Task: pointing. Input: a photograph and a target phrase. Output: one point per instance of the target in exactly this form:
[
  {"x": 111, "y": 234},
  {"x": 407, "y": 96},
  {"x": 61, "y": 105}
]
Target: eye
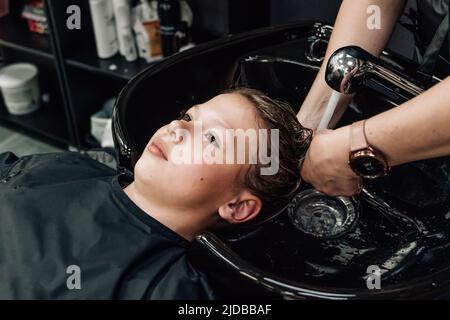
[
  {"x": 211, "y": 138},
  {"x": 184, "y": 116}
]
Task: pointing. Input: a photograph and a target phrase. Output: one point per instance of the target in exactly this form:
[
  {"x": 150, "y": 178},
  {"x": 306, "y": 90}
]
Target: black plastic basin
[{"x": 403, "y": 226}]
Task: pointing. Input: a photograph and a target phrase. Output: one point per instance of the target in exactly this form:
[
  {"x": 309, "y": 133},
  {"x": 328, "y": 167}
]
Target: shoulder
[{"x": 53, "y": 166}]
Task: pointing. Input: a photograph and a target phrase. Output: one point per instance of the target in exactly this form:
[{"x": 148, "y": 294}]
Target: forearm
[
  {"x": 416, "y": 130},
  {"x": 350, "y": 29}
]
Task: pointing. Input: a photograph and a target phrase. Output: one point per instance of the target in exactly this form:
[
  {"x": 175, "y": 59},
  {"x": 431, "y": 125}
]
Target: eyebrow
[{"x": 218, "y": 119}]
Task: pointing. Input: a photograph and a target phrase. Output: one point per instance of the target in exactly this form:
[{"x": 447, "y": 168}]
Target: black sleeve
[{"x": 6, "y": 160}]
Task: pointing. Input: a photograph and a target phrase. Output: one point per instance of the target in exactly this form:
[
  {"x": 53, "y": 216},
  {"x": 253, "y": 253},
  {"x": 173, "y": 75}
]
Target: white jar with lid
[{"x": 20, "y": 88}]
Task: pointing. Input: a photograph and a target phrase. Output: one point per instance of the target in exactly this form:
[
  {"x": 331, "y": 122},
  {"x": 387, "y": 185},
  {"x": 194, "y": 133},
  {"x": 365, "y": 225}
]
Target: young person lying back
[{"x": 72, "y": 228}]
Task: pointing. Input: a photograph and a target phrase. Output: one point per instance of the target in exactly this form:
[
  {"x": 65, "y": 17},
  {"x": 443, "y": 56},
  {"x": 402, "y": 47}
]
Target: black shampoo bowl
[{"x": 403, "y": 226}]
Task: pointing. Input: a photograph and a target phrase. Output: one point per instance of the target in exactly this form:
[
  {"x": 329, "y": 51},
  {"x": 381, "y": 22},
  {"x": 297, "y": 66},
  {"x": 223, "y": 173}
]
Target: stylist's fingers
[
  {"x": 333, "y": 186},
  {"x": 340, "y": 187},
  {"x": 353, "y": 188}
]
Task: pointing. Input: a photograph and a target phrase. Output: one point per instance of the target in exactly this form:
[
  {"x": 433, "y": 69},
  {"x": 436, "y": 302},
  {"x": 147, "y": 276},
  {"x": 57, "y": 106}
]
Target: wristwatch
[{"x": 366, "y": 161}]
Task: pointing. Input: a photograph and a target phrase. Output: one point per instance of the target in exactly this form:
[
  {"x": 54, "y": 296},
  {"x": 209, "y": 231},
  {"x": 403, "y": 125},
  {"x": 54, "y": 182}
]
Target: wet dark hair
[{"x": 276, "y": 191}]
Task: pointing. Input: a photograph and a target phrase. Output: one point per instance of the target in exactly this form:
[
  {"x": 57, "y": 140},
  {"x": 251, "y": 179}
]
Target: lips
[{"x": 157, "y": 148}]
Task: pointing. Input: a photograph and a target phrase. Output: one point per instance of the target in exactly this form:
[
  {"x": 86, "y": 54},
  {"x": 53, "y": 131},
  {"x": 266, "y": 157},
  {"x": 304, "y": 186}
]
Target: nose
[{"x": 175, "y": 131}]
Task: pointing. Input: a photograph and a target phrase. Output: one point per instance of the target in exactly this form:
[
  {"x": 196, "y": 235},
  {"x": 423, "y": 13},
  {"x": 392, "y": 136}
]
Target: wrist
[
  {"x": 374, "y": 138},
  {"x": 314, "y": 105},
  {"x": 343, "y": 147},
  {"x": 364, "y": 159}
]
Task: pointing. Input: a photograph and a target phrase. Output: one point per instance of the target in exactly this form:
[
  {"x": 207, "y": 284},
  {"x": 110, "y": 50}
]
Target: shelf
[
  {"x": 14, "y": 34},
  {"x": 44, "y": 121},
  {"x": 116, "y": 67}
]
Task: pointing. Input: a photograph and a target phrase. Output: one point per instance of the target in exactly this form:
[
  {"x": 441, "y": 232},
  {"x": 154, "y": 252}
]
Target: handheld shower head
[
  {"x": 347, "y": 70},
  {"x": 350, "y": 68}
]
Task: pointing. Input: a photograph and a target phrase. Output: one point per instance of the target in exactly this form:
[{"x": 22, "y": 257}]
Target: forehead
[{"x": 231, "y": 108}]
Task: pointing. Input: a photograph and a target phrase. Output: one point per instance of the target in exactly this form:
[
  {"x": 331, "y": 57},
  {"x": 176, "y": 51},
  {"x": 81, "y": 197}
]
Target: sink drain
[{"x": 322, "y": 216}]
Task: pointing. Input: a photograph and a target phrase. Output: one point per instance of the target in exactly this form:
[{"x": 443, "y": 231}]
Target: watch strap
[{"x": 358, "y": 139}]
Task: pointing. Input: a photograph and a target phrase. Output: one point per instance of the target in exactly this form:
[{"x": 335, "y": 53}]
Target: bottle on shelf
[
  {"x": 127, "y": 46},
  {"x": 102, "y": 14},
  {"x": 169, "y": 12}
]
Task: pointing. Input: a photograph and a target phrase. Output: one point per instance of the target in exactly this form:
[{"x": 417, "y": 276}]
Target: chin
[{"x": 146, "y": 170}]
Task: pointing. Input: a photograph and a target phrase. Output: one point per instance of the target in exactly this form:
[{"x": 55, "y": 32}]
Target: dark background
[
  {"x": 78, "y": 82},
  {"x": 285, "y": 11}
]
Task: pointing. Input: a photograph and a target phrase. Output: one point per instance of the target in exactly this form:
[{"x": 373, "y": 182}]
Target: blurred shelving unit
[{"x": 76, "y": 80}]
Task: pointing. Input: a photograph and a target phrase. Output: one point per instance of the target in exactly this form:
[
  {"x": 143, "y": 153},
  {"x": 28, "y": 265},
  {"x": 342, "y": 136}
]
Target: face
[{"x": 174, "y": 166}]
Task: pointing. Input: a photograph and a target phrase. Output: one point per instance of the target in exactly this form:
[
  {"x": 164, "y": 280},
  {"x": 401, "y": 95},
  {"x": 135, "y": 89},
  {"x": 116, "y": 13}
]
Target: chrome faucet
[{"x": 350, "y": 68}]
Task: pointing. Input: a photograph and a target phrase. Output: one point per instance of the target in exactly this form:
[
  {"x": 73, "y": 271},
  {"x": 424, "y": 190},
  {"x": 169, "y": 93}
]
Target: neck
[{"x": 187, "y": 223}]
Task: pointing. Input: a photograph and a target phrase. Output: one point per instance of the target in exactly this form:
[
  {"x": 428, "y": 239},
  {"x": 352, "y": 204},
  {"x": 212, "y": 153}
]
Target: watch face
[{"x": 367, "y": 166}]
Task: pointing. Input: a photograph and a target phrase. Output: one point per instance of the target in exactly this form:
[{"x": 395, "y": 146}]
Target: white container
[
  {"x": 20, "y": 88},
  {"x": 102, "y": 14},
  {"x": 101, "y": 119},
  {"x": 122, "y": 12}
]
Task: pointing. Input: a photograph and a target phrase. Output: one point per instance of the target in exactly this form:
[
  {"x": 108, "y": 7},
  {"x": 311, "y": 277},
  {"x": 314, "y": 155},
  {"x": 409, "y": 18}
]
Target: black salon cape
[{"x": 66, "y": 209}]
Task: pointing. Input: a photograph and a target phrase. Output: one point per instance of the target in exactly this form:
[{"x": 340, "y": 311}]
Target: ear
[{"x": 242, "y": 208}]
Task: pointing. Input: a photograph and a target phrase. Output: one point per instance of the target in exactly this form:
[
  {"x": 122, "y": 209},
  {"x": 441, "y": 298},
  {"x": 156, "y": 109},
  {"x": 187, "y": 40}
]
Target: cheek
[{"x": 209, "y": 179}]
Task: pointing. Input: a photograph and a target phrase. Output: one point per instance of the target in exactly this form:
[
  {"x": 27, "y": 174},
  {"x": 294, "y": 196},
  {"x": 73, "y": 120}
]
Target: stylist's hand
[{"x": 326, "y": 164}]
